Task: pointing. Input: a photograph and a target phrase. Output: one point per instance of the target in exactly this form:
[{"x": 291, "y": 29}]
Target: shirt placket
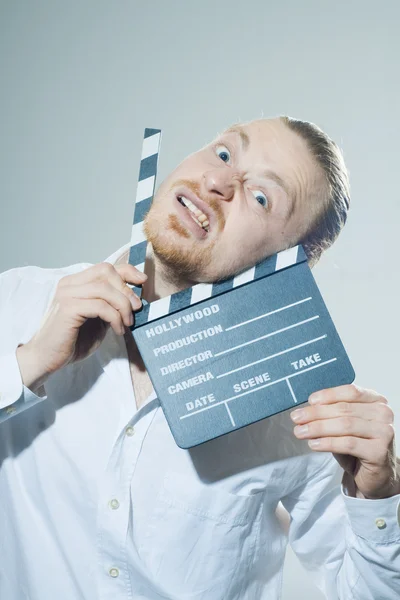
[{"x": 114, "y": 508}]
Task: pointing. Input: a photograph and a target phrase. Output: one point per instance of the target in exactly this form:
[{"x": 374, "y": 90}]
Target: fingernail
[
  {"x": 314, "y": 443},
  {"x": 301, "y": 431},
  {"x": 135, "y": 301},
  {"x": 314, "y": 398},
  {"x": 142, "y": 276},
  {"x": 297, "y": 415}
]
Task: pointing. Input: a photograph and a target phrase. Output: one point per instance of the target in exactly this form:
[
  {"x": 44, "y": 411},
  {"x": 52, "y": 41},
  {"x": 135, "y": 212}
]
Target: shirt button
[
  {"x": 113, "y": 572},
  {"x": 129, "y": 431},
  {"x": 380, "y": 523},
  {"x": 114, "y": 504}
]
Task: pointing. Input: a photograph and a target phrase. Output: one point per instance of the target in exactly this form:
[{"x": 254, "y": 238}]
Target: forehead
[{"x": 271, "y": 140}]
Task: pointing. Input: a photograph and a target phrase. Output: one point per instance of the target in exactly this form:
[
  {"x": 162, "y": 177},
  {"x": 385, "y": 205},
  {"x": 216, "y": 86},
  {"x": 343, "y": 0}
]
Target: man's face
[{"x": 247, "y": 195}]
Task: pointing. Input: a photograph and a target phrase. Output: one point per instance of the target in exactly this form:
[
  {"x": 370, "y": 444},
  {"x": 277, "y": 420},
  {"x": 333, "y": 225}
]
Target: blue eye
[
  {"x": 260, "y": 197},
  {"x": 223, "y": 153}
]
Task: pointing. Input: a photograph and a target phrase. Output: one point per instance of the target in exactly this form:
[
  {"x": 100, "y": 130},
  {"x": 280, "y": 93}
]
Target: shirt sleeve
[
  {"x": 22, "y": 301},
  {"x": 25, "y": 294},
  {"x": 350, "y": 546},
  {"x": 14, "y": 396}
]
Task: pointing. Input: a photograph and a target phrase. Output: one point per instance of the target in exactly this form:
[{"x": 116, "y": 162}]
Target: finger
[
  {"x": 105, "y": 272},
  {"x": 363, "y": 449},
  {"x": 118, "y": 276},
  {"x": 373, "y": 411},
  {"x": 133, "y": 298},
  {"x": 346, "y": 393},
  {"x": 131, "y": 274},
  {"x": 93, "y": 308},
  {"x": 102, "y": 271},
  {"x": 105, "y": 291},
  {"x": 344, "y": 426}
]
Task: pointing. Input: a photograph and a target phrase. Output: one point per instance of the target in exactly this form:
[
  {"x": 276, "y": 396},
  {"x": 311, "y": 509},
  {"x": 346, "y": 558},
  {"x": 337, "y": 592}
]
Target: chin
[
  {"x": 177, "y": 251},
  {"x": 185, "y": 258}
]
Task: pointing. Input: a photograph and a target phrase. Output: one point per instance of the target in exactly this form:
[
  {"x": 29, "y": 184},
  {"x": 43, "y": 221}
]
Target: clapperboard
[{"x": 224, "y": 355}]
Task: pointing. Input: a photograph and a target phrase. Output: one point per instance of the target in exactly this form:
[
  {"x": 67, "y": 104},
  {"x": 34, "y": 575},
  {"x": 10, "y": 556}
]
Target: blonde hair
[{"x": 332, "y": 216}]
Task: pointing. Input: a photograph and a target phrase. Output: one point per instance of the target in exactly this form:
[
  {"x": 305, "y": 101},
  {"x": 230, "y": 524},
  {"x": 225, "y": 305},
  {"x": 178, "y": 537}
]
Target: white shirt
[{"x": 97, "y": 502}]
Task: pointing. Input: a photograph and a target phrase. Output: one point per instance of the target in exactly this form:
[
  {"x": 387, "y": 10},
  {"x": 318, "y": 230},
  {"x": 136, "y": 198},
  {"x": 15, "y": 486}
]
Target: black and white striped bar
[
  {"x": 144, "y": 197},
  {"x": 203, "y": 291}
]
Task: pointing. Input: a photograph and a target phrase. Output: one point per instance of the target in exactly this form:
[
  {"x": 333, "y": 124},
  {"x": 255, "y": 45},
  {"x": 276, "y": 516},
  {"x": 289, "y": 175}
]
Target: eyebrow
[
  {"x": 243, "y": 135},
  {"x": 268, "y": 174}
]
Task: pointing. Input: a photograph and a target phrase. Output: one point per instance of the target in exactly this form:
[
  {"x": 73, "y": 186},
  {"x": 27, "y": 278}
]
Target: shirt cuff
[
  {"x": 14, "y": 396},
  {"x": 10, "y": 380},
  {"x": 377, "y": 521}
]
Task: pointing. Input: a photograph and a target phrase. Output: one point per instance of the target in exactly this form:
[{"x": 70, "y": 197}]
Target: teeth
[{"x": 201, "y": 218}]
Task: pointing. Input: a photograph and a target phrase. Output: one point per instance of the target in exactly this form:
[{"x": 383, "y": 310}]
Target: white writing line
[
  {"x": 230, "y": 414},
  {"x": 269, "y": 313},
  {"x": 259, "y": 388},
  {"x": 263, "y": 337},
  {"x": 256, "y": 362},
  {"x": 291, "y": 390}
]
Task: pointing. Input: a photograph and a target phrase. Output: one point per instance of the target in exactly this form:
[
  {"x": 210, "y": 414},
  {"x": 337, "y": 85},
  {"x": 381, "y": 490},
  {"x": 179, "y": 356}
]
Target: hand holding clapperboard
[{"x": 227, "y": 354}]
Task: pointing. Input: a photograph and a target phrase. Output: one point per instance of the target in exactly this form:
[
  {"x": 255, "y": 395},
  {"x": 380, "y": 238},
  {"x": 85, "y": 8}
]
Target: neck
[{"x": 161, "y": 281}]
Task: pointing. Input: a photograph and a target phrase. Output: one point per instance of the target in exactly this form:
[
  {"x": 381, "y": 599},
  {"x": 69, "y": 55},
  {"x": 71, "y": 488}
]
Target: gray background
[{"x": 80, "y": 80}]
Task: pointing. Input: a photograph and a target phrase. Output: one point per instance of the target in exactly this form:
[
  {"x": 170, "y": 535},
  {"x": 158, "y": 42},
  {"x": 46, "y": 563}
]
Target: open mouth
[{"x": 197, "y": 215}]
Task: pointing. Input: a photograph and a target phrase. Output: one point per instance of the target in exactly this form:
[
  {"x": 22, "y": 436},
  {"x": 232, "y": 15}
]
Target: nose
[{"x": 221, "y": 184}]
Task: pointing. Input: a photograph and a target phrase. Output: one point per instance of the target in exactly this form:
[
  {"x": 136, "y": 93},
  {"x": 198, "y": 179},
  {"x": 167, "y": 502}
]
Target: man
[{"x": 97, "y": 501}]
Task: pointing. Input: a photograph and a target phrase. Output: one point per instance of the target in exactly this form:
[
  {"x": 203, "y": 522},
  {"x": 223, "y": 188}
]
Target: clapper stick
[
  {"x": 224, "y": 355},
  {"x": 144, "y": 198}
]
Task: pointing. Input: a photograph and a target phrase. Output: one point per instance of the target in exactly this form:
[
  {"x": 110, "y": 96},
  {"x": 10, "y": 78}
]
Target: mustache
[{"x": 214, "y": 204}]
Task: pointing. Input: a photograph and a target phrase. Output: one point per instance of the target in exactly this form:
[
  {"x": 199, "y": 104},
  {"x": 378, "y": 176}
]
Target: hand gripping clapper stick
[{"x": 224, "y": 355}]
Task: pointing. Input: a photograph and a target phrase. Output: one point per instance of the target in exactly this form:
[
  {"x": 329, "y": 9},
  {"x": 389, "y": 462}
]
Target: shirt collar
[{"x": 118, "y": 253}]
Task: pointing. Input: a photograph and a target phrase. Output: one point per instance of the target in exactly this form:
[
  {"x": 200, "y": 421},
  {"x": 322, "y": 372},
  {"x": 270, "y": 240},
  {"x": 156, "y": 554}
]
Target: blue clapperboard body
[
  {"x": 245, "y": 353},
  {"x": 222, "y": 356}
]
